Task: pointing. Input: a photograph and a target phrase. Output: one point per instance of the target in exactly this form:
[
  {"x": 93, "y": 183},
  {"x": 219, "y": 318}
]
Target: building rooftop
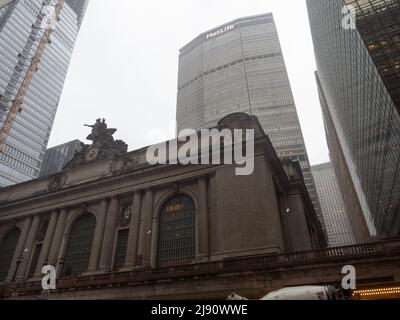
[{"x": 203, "y": 36}]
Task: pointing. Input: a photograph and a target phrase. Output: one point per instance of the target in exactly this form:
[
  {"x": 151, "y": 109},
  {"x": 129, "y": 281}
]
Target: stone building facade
[
  {"x": 239, "y": 67},
  {"x": 109, "y": 211}
]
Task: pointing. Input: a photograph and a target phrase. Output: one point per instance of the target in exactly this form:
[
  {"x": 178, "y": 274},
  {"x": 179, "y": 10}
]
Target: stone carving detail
[
  {"x": 44, "y": 223},
  {"x": 84, "y": 207},
  {"x": 125, "y": 212},
  {"x": 132, "y": 162},
  {"x": 175, "y": 188},
  {"x": 103, "y": 145},
  {"x": 102, "y": 137},
  {"x": 56, "y": 182}
]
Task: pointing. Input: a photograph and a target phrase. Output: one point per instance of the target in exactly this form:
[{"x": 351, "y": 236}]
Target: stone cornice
[{"x": 57, "y": 200}]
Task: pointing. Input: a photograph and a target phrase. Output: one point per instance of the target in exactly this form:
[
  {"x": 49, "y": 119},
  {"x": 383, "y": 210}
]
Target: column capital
[
  {"x": 108, "y": 199},
  {"x": 149, "y": 190},
  {"x": 204, "y": 177},
  {"x": 65, "y": 209}
]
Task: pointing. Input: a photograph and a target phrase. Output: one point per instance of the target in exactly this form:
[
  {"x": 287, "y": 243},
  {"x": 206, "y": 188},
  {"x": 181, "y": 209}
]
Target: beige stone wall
[{"x": 246, "y": 214}]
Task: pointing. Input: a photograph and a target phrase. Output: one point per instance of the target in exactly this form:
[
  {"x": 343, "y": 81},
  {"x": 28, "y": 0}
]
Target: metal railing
[{"x": 247, "y": 263}]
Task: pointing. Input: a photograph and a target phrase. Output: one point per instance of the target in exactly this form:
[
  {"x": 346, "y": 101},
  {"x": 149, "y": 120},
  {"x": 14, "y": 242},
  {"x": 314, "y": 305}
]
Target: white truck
[{"x": 301, "y": 293}]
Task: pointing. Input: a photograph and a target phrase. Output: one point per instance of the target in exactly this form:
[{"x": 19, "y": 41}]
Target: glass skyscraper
[
  {"x": 362, "y": 109},
  {"x": 351, "y": 202},
  {"x": 337, "y": 223},
  {"x": 378, "y": 22},
  {"x": 20, "y": 33},
  {"x": 239, "y": 67}
]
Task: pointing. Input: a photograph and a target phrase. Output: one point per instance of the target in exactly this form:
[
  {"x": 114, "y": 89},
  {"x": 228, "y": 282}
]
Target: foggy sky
[{"x": 125, "y": 66}]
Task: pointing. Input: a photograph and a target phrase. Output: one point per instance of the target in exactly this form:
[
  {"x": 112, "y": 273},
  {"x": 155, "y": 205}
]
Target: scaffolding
[{"x": 43, "y": 23}]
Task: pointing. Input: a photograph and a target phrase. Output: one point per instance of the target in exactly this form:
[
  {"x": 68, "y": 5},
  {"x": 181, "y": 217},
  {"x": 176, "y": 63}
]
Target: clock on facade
[{"x": 92, "y": 154}]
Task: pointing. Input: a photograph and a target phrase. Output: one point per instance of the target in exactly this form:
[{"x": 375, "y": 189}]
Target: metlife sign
[{"x": 220, "y": 31}]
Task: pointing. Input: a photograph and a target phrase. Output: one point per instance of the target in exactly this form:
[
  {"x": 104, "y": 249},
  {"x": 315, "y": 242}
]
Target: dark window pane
[
  {"x": 122, "y": 243},
  {"x": 176, "y": 242},
  {"x": 79, "y": 245},
  {"x": 7, "y": 249}
]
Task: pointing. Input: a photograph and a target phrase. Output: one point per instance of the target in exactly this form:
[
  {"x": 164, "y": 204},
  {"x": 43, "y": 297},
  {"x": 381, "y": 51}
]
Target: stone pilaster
[
  {"x": 131, "y": 252},
  {"x": 54, "y": 253},
  {"x": 27, "y": 249},
  {"x": 203, "y": 220},
  {"x": 44, "y": 254},
  {"x": 145, "y": 233},
  {"x": 109, "y": 236},
  {"x": 154, "y": 240},
  {"x": 18, "y": 250},
  {"x": 98, "y": 237}
]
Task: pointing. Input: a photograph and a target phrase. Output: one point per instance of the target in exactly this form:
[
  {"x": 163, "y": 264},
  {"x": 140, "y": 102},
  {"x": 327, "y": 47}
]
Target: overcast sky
[{"x": 125, "y": 65}]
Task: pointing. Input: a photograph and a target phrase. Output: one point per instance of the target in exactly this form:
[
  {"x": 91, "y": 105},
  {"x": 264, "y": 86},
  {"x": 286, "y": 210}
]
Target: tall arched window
[
  {"x": 7, "y": 248},
  {"x": 80, "y": 242},
  {"x": 176, "y": 239}
]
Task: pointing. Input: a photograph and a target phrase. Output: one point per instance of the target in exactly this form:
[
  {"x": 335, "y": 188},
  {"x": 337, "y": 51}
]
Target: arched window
[
  {"x": 7, "y": 249},
  {"x": 80, "y": 241},
  {"x": 176, "y": 238}
]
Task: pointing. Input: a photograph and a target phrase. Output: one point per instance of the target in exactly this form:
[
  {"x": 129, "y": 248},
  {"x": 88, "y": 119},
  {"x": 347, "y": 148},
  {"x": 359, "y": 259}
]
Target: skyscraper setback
[
  {"x": 21, "y": 30},
  {"x": 239, "y": 67},
  {"x": 337, "y": 224}
]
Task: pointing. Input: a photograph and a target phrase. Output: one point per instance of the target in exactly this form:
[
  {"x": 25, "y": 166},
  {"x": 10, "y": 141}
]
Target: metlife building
[{"x": 239, "y": 67}]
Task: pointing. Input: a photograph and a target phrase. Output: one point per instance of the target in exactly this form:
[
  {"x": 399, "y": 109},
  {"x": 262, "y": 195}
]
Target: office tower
[
  {"x": 57, "y": 157},
  {"x": 337, "y": 224},
  {"x": 351, "y": 201},
  {"x": 4, "y": 3},
  {"x": 362, "y": 114},
  {"x": 239, "y": 67},
  {"x": 378, "y": 22},
  {"x": 79, "y": 7},
  {"x": 21, "y": 31}
]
